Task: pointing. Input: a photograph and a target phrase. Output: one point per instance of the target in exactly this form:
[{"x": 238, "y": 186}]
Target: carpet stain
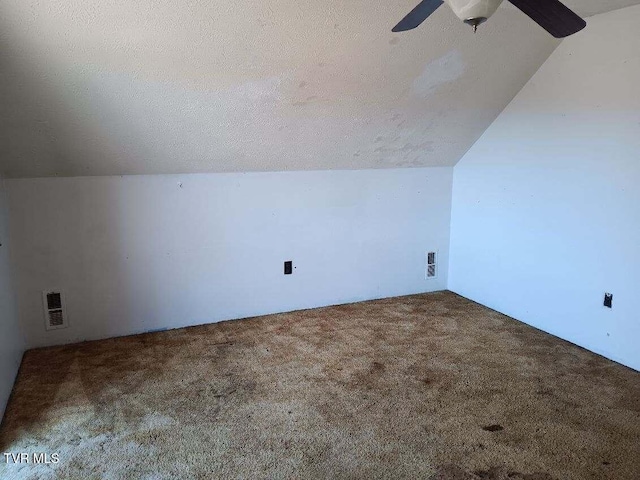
[
  {"x": 454, "y": 472},
  {"x": 407, "y": 387},
  {"x": 493, "y": 428}
]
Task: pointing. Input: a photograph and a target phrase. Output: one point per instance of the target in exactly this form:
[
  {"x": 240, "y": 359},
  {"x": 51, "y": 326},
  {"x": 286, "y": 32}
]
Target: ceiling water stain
[{"x": 441, "y": 71}]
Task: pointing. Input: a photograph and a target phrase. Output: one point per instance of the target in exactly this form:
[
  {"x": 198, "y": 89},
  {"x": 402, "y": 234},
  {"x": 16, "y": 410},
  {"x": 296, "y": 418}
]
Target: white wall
[
  {"x": 138, "y": 253},
  {"x": 11, "y": 344},
  {"x": 546, "y": 205}
]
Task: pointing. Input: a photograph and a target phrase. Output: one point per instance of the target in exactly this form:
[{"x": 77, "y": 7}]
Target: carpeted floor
[{"x": 429, "y": 386}]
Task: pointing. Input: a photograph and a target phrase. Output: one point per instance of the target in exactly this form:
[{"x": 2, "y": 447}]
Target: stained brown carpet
[{"x": 428, "y": 386}]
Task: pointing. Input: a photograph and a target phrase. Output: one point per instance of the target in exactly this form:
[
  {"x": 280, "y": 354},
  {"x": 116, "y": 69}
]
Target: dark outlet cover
[
  {"x": 288, "y": 267},
  {"x": 608, "y": 299}
]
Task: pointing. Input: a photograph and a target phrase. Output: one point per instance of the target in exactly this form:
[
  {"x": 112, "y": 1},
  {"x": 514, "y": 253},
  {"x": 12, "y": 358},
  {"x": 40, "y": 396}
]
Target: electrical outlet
[
  {"x": 608, "y": 300},
  {"x": 288, "y": 267}
]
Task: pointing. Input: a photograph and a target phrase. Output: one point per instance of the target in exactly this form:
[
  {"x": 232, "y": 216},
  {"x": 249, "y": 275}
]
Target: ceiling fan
[{"x": 551, "y": 15}]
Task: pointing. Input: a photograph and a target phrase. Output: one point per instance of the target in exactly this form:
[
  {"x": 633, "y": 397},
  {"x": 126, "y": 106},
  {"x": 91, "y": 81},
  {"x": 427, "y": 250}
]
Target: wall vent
[
  {"x": 55, "y": 314},
  {"x": 432, "y": 265}
]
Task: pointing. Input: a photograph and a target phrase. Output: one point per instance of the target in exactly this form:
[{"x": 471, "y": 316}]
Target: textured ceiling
[
  {"x": 112, "y": 87},
  {"x": 587, "y": 8}
]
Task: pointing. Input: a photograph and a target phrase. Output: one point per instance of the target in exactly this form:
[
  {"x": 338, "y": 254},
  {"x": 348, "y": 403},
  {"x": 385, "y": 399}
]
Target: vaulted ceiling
[{"x": 114, "y": 87}]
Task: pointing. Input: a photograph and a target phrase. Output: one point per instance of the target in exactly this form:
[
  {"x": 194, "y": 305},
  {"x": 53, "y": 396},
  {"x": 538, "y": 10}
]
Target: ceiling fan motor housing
[{"x": 474, "y": 11}]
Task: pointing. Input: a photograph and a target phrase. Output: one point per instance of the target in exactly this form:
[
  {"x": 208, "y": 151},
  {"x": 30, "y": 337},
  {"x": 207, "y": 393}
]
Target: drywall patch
[{"x": 445, "y": 69}]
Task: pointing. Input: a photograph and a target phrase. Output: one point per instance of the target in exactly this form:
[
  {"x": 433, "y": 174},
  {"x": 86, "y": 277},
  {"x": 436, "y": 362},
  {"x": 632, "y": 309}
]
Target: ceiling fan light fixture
[
  {"x": 474, "y": 12},
  {"x": 474, "y": 22},
  {"x": 552, "y": 15}
]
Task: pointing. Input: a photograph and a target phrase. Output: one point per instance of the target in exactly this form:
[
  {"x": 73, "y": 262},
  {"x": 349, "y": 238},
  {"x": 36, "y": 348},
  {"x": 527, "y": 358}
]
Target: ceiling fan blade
[
  {"x": 417, "y": 15},
  {"x": 553, "y": 16}
]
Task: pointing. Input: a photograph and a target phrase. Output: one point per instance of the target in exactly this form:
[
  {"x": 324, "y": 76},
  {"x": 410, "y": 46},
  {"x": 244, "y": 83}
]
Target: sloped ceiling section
[{"x": 114, "y": 87}]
